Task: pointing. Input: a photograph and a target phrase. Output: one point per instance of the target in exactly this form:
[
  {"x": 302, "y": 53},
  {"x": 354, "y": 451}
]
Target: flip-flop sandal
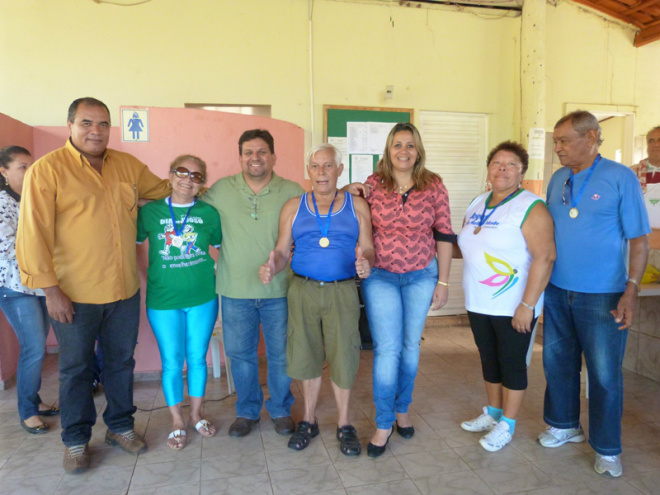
[
  {"x": 203, "y": 427},
  {"x": 179, "y": 437}
]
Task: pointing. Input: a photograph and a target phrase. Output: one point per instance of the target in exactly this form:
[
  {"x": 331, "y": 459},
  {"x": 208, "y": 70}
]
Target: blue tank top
[{"x": 335, "y": 262}]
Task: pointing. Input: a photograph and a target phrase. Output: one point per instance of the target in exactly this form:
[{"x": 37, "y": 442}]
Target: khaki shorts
[{"x": 323, "y": 324}]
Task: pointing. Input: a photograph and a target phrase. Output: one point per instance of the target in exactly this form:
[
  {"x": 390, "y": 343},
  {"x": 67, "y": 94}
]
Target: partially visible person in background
[
  {"x": 24, "y": 308},
  {"x": 648, "y": 173}
]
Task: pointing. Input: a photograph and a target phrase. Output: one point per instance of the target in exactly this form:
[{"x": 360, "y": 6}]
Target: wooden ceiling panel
[{"x": 643, "y": 14}]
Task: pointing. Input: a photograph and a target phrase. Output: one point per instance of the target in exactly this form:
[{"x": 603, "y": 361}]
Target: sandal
[
  {"x": 205, "y": 428},
  {"x": 305, "y": 431},
  {"x": 178, "y": 440},
  {"x": 349, "y": 442}
]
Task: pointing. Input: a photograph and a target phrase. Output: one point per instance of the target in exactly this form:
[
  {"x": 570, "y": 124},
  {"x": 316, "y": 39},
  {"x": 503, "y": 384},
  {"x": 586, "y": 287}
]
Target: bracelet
[
  {"x": 527, "y": 305},
  {"x": 635, "y": 283},
  {"x": 444, "y": 284}
]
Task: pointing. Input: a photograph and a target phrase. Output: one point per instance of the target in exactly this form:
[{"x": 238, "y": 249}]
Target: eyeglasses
[
  {"x": 563, "y": 191},
  {"x": 183, "y": 172}
]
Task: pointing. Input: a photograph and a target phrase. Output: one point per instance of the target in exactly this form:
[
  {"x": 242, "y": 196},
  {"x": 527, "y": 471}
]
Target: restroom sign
[{"x": 134, "y": 125}]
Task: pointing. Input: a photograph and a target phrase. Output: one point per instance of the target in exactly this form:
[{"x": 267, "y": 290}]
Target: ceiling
[{"x": 644, "y": 14}]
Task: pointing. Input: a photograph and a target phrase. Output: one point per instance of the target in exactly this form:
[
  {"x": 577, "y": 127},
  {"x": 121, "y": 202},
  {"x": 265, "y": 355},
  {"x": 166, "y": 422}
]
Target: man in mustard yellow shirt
[{"x": 76, "y": 240}]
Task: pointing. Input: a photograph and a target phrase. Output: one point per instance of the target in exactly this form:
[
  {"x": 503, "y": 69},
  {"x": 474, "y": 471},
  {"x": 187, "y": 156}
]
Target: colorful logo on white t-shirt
[{"x": 504, "y": 277}]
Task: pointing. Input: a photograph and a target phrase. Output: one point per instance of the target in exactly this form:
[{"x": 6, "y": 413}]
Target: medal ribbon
[
  {"x": 326, "y": 227},
  {"x": 576, "y": 200},
  {"x": 485, "y": 218},
  {"x": 185, "y": 219}
]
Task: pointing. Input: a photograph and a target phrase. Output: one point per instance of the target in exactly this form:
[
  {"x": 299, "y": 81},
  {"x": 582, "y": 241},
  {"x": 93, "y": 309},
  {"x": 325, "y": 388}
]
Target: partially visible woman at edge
[
  {"x": 508, "y": 247},
  {"x": 24, "y": 308},
  {"x": 413, "y": 241},
  {"x": 182, "y": 305}
]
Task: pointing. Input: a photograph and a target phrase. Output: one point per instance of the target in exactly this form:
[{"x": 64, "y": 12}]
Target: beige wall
[
  {"x": 613, "y": 133},
  {"x": 163, "y": 53},
  {"x": 593, "y": 61},
  {"x": 167, "y": 53}
]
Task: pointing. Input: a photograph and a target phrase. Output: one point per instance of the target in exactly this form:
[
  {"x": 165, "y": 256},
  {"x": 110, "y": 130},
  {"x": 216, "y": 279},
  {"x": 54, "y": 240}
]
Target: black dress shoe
[
  {"x": 406, "y": 432},
  {"x": 378, "y": 450},
  {"x": 242, "y": 426},
  {"x": 51, "y": 411}
]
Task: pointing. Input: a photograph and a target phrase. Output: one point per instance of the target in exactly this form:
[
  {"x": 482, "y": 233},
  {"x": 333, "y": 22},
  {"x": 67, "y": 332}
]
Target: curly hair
[{"x": 515, "y": 148}]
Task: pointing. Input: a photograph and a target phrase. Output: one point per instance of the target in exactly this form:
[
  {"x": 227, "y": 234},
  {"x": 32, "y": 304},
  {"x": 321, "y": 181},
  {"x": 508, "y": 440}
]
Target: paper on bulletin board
[
  {"x": 536, "y": 145},
  {"x": 367, "y": 137},
  {"x": 362, "y": 166},
  {"x": 343, "y": 179},
  {"x": 340, "y": 144}
]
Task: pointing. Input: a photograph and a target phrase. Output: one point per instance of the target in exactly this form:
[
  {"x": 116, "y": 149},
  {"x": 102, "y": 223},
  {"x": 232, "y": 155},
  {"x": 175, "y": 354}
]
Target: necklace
[{"x": 402, "y": 189}]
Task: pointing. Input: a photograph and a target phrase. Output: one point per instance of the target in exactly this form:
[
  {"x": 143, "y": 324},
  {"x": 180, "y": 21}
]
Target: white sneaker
[
  {"x": 485, "y": 422},
  {"x": 497, "y": 438},
  {"x": 608, "y": 464},
  {"x": 556, "y": 437}
]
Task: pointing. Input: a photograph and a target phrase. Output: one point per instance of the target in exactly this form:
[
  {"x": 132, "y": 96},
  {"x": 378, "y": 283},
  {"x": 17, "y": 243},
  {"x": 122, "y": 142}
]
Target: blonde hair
[{"x": 421, "y": 177}]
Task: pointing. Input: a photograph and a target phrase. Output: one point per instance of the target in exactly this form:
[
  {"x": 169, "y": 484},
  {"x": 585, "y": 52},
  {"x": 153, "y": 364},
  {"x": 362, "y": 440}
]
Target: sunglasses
[
  {"x": 564, "y": 196},
  {"x": 183, "y": 172}
]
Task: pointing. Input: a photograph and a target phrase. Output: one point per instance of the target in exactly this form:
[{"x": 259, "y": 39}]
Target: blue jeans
[
  {"x": 183, "y": 335},
  {"x": 28, "y": 316},
  {"x": 116, "y": 326},
  {"x": 397, "y": 305},
  {"x": 576, "y": 323},
  {"x": 240, "y": 326}
]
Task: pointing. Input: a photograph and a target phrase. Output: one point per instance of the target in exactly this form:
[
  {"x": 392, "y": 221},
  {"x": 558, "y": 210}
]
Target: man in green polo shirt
[{"x": 249, "y": 204}]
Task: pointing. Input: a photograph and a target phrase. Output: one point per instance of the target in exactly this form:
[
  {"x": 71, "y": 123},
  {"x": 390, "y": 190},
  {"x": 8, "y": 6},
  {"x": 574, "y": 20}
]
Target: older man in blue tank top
[{"x": 326, "y": 226}]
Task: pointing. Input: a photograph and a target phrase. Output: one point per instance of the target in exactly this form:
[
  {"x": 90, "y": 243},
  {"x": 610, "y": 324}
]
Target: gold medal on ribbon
[
  {"x": 573, "y": 213},
  {"x": 477, "y": 230},
  {"x": 324, "y": 242}
]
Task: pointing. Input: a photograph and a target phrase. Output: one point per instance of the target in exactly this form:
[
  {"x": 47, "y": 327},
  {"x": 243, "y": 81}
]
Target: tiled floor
[{"x": 440, "y": 459}]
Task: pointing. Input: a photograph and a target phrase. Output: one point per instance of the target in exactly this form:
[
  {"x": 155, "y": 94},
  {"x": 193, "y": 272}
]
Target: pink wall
[
  {"x": 213, "y": 136},
  {"x": 12, "y": 132}
]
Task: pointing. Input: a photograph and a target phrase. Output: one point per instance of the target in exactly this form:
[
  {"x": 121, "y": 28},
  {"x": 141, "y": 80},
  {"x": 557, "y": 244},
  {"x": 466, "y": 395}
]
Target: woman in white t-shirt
[{"x": 507, "y": 243}]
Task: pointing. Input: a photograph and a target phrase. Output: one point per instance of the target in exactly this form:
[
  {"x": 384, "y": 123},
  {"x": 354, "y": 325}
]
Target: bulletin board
[{"x": 360, "y": 134}]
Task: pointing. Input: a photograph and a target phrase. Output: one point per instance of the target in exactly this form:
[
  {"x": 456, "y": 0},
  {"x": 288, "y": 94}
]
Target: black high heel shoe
[
  {"x": 378, "y": 450},
  {"x": 406, "y": 432}
]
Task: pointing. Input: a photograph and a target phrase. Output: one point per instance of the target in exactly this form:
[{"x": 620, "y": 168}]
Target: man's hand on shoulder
[{"x": 60, "y": 307}]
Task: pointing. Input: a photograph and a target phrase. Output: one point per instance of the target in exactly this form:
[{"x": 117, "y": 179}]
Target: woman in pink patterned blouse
[{"x": 413, "y": 241}]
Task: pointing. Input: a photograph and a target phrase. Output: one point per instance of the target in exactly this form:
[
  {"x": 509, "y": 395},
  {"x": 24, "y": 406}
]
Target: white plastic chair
[{"x": 216, "y": 340}]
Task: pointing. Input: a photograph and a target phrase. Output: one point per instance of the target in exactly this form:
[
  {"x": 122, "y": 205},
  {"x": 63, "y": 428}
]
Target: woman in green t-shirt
[{"x": 182, "y": 305}]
